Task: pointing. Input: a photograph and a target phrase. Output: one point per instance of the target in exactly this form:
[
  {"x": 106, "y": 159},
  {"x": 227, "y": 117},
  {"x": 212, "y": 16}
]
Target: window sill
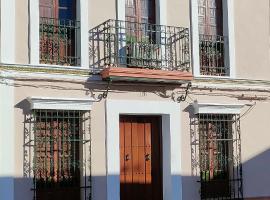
[{"x": 213, "y": 77}]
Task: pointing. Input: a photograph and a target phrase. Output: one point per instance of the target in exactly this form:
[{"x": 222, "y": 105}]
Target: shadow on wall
[
  {"x": 256, "y": 175},
  {"x": 256, "y": 178},
  {"x": 23, "y": 189}
]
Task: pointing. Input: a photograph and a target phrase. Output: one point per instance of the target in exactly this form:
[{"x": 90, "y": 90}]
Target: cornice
[
  {"x": 216, "y": 108},
  {"x": 60, "y": 103},
  {"x": 45, "y": 69},
  {"x": 64, "y": 73},
  {"x": 231, "y": 84}
]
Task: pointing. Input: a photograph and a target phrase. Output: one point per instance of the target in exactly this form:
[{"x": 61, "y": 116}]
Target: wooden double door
[{"x": 140, "y": 158}]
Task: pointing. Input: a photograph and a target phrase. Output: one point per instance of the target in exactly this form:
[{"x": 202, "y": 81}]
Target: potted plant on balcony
[{"x": 142, "y": 52}]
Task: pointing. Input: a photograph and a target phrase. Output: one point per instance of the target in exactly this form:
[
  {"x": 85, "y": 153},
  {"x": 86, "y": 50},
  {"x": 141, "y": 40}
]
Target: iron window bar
[
  {"x": 141, "y": 45},
  {"x": 61, "y": 145},
  {"x": 220, "y": 156},
  {"x": 58, "y": 41},
  {"x": 212, "y": 55}
]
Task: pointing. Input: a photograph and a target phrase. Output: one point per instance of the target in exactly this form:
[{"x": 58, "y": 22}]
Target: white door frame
[{"x": 171, "y": 143}]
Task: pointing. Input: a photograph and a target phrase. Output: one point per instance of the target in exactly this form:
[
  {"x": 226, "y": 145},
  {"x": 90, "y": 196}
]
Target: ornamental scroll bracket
[
  {"x": 183, "y": 97},
  {"x": 104, "y": 95}
]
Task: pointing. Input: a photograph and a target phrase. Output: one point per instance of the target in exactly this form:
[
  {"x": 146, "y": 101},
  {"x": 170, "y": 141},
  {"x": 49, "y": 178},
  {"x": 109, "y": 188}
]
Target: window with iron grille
[
  {"x": 220, "y": 156},
  {"x": 58, "y": 32},
  {"x": 61, "y": 163}
]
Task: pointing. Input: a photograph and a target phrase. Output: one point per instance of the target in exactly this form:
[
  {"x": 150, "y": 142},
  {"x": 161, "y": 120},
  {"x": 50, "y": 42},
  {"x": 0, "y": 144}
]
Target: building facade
[{"x": 134, "y": 99}]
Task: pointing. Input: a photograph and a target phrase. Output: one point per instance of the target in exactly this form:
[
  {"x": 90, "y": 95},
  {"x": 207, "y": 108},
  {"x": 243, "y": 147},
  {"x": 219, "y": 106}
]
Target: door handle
[
  {"x": 127, "y": 157},
  {"x": 147, "y": 157}
]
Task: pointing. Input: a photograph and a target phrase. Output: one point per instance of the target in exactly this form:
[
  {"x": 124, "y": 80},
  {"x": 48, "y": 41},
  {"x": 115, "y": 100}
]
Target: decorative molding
[
  {"x": 84, "y": 75},
  {"x": 46, "y": 69},
  {"x": 60, "y": 103},
  {"x": 231, "y": 84},
  {"x": 216, "y": 108}
]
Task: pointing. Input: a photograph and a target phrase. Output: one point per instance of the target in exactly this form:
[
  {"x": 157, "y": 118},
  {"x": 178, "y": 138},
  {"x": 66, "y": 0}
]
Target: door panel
[
  {"x": 140, "y": 11},
  {"x": 140, "y": 158},
  {"x": 210, "y": 17}
]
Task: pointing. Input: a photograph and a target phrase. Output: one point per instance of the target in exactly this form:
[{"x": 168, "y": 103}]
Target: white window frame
[
  {"x": 82, "y": 49},
  {"x": 228, "y": 29}
]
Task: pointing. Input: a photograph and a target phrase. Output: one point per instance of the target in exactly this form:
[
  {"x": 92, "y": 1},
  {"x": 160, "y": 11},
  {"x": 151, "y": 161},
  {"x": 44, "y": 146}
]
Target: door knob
[
  {"x": 147, "y": 157},
  {"x": 127, "y": 157}
]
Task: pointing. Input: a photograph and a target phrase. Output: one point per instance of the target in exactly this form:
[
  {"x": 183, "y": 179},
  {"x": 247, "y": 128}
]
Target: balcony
[
  {"x": 124, "y": 50},
  {"x": 212, "y": 55},
  {"x": 58, "y": 41}
]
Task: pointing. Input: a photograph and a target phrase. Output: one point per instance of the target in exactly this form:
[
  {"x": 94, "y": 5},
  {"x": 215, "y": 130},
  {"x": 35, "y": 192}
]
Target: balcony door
[
  {"x": 210, "y": 17},
  {"x": 211, "y": 38},
  {"x": 142, "y": 49},
  {"x": 140, "y": 158},
  {"x": 140, "y": 11},
  {"x": 58, "y": 31}
]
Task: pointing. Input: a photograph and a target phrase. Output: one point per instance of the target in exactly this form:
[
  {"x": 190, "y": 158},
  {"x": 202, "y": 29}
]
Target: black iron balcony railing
[
  {"x": 212, "y": 55},
  {"x": 140, "y": 45},
  {"x": 58, "y": 41}
]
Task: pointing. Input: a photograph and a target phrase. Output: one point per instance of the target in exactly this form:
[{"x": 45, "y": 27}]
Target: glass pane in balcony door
[
  {"x": 140, "y": 11},
  {"x": 58, "y": 29},
  {"x": 210, "y": 17},
  {"x": 58, "y": 9},
  {"x": 46, "y": 8}
]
